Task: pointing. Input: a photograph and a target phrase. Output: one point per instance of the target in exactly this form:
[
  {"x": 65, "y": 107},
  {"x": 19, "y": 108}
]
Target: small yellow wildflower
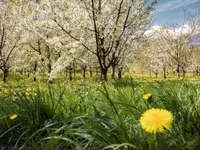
[
  {"x": 7, "y": 91},
  {"x": 27, "y": 94},
  {"x": 181, "y": 78},
  {"x": 14, "y": 93},
  {"x": 27, "y": 89},
  {"x": 155, "y": 120},
  {"x": 12, "y": 117},
  {"x": 35, "y": 94},
  {"x": 147, "y": 96}
]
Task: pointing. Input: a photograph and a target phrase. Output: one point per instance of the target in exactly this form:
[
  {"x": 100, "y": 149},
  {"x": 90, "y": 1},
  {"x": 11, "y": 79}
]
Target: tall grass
[{"x": 92, "y": 116}]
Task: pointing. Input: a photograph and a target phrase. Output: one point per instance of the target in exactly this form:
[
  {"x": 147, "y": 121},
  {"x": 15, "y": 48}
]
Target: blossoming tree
[
  {"x": 10, "y": 36},
  {"x": 101, "y": 27}
]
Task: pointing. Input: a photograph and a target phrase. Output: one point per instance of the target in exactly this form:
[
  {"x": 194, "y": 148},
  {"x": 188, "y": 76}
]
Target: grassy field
[{"x": 94, "y": 115}]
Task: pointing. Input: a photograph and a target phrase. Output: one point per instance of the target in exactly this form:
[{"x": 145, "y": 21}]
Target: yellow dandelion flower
[
  {"x": 27, "y": 94},
  {"x": 181, "y": 78},
  {"x": 7, "y": 91},
  {"x": 27, "y": 89},
  {"x": 147, "y": 96},
  {"x": 14, "y": 93},
  {"x": 12, "y": 117},
  {"x": 155, "y": 120},
  {"x": 35, "y": 94}
]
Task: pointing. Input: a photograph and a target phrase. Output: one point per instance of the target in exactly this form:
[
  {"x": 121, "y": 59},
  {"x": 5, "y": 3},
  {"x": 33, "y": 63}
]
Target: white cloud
[
  {"x": 173, "y": 4},
  {"x": 184, "y": 30},
  {"x": 155, "y": 30},
  {"x": 152, "y": 30}
]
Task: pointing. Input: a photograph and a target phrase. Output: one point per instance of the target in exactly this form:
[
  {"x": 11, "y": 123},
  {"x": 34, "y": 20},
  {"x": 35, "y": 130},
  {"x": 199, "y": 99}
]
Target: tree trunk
[
  {"x": 74, "y": 69},
  {"x": 104, "y": 74},
  {"x": 120, "y": 73},
  {"x": 49, "y": 58},
  {"x": 90, "y": 72},
  {"x": 21, "y": 72},
  {"x": 66, "y": 72},
  {"x": 34, "y": 78},
  {"x": 35, "y": 70},
  {"x": 197, "y": 73},
  {"x": 49, "y": 67},
  {"x": 84, "y": 70},
  {"x": 70, "y": 73},
  {"x": 184, "y": 73},
  {"x": 164, "y": 73},
  {"x": 5, "y": 75},
  {"x": 113, "y": 72},
  {"x": 178, "y": 72},
  {"x": 96, "y": 72},
  {"x": 178, "y": 75}
]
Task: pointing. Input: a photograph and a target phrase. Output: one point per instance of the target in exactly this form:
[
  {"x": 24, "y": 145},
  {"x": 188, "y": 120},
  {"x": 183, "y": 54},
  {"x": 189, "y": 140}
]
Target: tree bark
[
  {"x": 164, "y": 73},
  {"x": 90, "y": 72},
  {"x": 97, "y": 72},
  {"x": 84, "y": 71},
  {"x": 120, "y": 73},
  {"x": 84, "y": 67},
  {"x": 178, "y": 72},
  {"x": 104, "y": 74},
  {"x": 35, "y": 70},
  {"x": 184, "y": 74},
  {"x": 74, "y": 69},
  {"x": 70, "y": 73},
  {"x": 113, "y": 72},
  {"x": 21, "y": 72},
  {"x": 49, "y": 67},
  {"x": 66, "y": 72},
  {"x": 197, "y": 73},
  {"x": 5, "y": 75}
]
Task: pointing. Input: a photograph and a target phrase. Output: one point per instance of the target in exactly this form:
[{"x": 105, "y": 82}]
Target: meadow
[{"x": 88, "y": 114}]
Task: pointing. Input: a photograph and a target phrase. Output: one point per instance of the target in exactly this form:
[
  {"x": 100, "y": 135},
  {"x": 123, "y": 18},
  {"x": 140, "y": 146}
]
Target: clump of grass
[{"x": 88, "y": 115}]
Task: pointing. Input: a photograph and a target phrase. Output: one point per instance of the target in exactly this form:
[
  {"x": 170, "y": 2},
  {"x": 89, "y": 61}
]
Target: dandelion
[
  {"x": 181, "y": 78},
  {"x": 27, "y": 89},
  {"x": 14, "y": 93},
  {"x": 155, "y": 120},
  {"x": 12, "y": 117},
  {"x": 7, "y": 91},
  {"x": 35, "y": 94},
  {"x": 27, "y": 94},
  {"x": 147, "y": 96}
]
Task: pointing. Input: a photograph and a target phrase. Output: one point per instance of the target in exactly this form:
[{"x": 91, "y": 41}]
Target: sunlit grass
[{"x": 89, "y": 114}]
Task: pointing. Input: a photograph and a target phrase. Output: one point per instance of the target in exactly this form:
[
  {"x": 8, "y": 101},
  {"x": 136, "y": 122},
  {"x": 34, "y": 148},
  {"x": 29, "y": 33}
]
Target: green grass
[{"x": 93, "y": 115}]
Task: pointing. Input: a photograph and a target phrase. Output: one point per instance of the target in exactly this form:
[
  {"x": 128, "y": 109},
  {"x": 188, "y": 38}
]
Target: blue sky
[{"x": 172, "y": 11}]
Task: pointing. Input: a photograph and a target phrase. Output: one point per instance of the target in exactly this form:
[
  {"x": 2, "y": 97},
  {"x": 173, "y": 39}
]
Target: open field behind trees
[{"x": 98, "y": 75}]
